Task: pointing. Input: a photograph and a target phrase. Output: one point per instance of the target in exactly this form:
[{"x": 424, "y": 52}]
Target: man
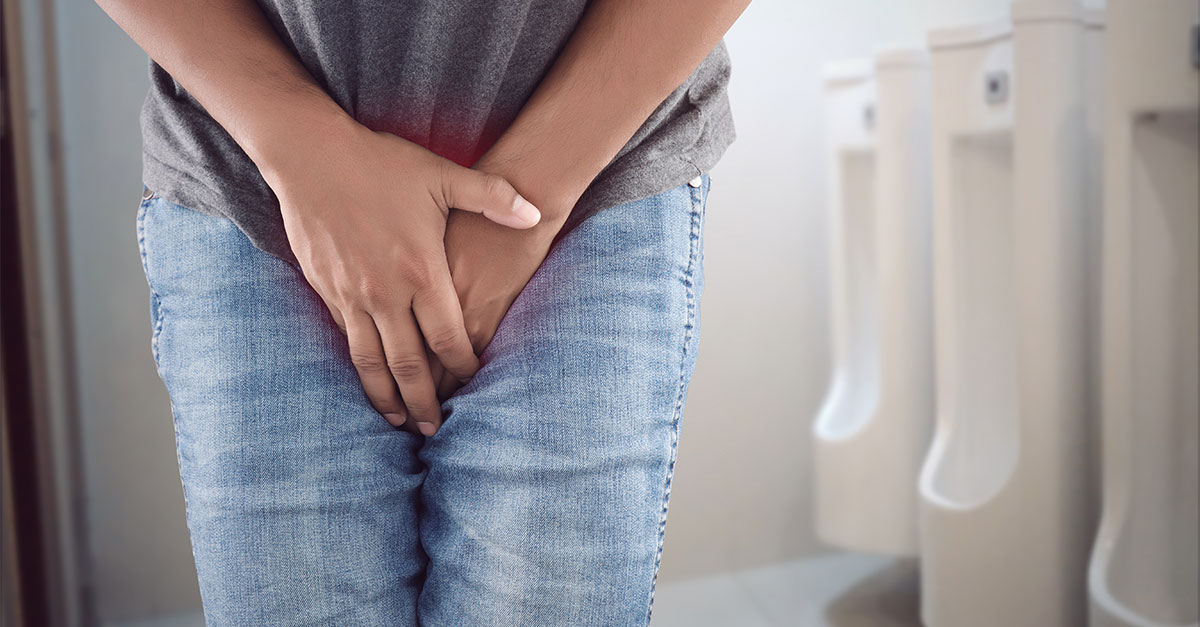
[{"x": 491, "y": 203}]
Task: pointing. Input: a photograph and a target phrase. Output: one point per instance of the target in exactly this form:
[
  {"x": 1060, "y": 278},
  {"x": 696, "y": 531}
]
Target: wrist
[
  {"x": 304, "y": 131},
  {"x": 539, "y": 177}
]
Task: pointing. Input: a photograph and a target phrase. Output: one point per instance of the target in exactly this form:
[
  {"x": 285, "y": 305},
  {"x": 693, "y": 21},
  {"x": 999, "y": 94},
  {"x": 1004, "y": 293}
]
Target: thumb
[{"x": 489, "y": 194}]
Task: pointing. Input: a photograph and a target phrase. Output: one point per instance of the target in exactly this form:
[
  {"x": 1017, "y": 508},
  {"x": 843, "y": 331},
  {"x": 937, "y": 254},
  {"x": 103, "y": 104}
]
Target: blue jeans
[{"x": 542, "y": 500}]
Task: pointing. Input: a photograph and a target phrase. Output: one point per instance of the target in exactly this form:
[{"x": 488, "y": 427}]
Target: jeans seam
[
  {"x": 677, "y": 412},
  {"x": 158, "y": 316}
]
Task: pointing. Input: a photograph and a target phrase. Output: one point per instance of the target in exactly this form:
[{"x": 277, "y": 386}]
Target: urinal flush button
[{"x": 995, "y": 87}]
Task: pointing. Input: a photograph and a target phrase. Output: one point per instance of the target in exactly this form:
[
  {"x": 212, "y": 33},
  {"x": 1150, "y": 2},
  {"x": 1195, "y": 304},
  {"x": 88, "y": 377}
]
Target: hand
[
  {"x": 490, "y": 267},
  {"x": 365, "y": 213}
]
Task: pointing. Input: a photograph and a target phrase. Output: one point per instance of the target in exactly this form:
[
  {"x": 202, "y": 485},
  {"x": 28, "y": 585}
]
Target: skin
[{"x": 420, "y": 289}]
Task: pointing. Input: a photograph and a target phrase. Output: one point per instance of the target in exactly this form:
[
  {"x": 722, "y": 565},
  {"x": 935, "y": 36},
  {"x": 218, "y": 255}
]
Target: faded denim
[{"x": 541, "y": 501}]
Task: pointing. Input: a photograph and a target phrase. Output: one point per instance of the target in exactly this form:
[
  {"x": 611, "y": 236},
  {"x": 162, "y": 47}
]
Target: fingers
[
  {"x": 441, "y": 320},
  {"x": 366, "y": 352},
  {"x": 447, "y": 386},
  {"x": 445, "y": 382},
  {"x": 489, "y": 194},
  {"x": 405, "y": 355},
  {"x": 436, "y": 369},
  {"x": 424, "y": 351}
]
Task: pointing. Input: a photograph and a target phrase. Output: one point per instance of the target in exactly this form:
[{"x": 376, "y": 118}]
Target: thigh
[
  {"x": 301, "y": 499},
  {"x": 547, "y": 488}
]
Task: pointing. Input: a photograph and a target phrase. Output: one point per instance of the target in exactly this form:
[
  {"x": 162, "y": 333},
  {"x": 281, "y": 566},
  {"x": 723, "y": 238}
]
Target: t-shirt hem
[{"x": 179, "y": 187}]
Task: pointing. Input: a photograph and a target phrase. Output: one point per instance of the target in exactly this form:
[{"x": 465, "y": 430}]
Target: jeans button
[{"x": 695, "y": 182}]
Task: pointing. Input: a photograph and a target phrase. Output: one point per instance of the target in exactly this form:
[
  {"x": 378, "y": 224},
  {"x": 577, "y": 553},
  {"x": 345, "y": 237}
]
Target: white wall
[
  {"x": 742, "y": 490},
  {"x": 140, "y": 552},
  {"x": 742, "y": 495}
]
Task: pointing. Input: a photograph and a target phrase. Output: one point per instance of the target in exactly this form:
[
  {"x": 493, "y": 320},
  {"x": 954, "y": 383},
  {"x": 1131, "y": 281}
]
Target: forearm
[
  {"x": 622, "y": 61},
  {"x": 227, "y": 56}
]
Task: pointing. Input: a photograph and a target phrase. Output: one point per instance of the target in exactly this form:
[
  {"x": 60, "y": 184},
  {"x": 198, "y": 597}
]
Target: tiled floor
[{"x": 838, "y": 590}]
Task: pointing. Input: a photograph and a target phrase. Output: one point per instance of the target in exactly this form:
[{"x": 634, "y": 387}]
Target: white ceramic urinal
[
  {"x": 854, "y": 387},
  {"x": 975, "y": 446},
  {"x": 889, "y": 449},
  {"x": 868, "y": 457},
  {"x": 1005, "y": 507},
  {"x": 1054, "y": 486},
  {"x": 1146, "y": 559}
]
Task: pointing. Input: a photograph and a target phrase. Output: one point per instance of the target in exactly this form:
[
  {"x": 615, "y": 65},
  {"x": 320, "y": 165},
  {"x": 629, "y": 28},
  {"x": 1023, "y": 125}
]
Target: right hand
[{"x": 365, "y": 213}]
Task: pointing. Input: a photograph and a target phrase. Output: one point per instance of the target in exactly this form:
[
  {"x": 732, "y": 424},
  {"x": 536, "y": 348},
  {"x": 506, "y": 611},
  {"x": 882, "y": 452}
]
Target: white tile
[
  {"x": 706, "y": 602},
  {"x": 839, "y": 590}
]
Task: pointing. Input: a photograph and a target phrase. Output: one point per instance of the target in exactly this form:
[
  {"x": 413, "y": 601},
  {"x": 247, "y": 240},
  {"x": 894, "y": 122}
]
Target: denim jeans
[{"x": 541, "y": 501}]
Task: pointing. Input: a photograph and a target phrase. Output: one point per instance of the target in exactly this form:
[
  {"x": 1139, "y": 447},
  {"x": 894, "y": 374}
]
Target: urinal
[
  {"x": 975, "y": 444},
  {"x": 1005, "y": 510},
  {"x": 869, "y": 448},
  {"x": 1146, "y": 559},
  {"x": 1055, "y": 483},
  {"x": 854, "y": 386},
  {"x": 889, "y": 449}
]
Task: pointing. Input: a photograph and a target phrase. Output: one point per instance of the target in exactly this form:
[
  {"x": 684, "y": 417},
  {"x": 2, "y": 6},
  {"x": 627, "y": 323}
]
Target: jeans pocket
[{"x": 155, "y": 302}]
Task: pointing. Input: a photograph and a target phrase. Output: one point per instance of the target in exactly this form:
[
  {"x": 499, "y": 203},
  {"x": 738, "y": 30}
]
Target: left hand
[{"x": 490, "y": 265}]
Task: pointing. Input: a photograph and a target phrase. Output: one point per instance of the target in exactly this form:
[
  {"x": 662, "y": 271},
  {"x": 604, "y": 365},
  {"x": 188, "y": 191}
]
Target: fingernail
[
  {"x": 395, "y": 419},
  {"x": 525, "y": 211},
  {"x": 427, "y": 428}
]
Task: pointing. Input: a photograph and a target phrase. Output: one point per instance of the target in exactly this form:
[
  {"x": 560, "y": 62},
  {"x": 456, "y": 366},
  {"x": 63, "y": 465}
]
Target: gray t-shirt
[{"x": 450, "y": 76}]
